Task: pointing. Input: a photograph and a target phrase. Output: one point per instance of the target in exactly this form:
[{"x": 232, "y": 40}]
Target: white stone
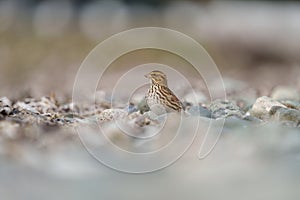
[{"x": 263, "y": 105}]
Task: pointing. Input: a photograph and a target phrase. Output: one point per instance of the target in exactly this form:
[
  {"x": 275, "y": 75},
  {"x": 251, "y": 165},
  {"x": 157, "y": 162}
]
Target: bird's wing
[{"x": 172, "y": 100}]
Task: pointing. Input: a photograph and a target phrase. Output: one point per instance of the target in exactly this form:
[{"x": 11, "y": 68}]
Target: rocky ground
[{"x": 40, "y": 121}]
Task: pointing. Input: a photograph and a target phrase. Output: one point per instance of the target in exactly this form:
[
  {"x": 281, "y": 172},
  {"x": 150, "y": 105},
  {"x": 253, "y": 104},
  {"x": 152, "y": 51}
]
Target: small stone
[
  {"x": 131, "y": 108},
  {"x": 186, "y": 105},
  {"x": 244, "y": 105},
  {"x": 23, "y": 106},
  {"x": 6, "y": 110},
  {"x": 262, "y": 107},
  {"x": 291, "y": 104},
  {"x": 5, "y": 106},
  {"x": 70, "y": 107},
  {"x": 222, "y": 109},
  {"x": 250, "y": 118},
  {"x": 143, "y": 106},
  {"x": 285, "y": 93},
  {"x": 4, "y": 101},
  {"x": 236, "y": 122},
  {"x": 47, "y": 104},
  {"x": 287, "y": 114},
  {"x": 112, "y": 114},
  {"x": 142, "y": 121},
  {"x": 134, "y": 115},
  {"x": 199, "y": 111}
]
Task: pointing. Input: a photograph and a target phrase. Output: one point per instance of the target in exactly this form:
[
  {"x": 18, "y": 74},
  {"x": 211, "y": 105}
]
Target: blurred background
[
  {"x": 253, "y": 41},
  {"x": 43, "y": 43}
]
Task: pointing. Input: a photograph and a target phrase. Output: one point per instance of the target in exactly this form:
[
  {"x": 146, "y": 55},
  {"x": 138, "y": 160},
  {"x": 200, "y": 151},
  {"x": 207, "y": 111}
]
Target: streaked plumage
[{"x": 160, "y": 94}]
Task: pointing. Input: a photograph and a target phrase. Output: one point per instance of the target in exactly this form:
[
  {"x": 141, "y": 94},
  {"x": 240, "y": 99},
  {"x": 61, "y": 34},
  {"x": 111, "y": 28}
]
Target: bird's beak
[{"x": 147, "y": 75}]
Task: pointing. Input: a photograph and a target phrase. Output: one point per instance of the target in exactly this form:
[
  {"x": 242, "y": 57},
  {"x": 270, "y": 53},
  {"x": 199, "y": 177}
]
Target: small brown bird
[{"x": 160, "y": 94}]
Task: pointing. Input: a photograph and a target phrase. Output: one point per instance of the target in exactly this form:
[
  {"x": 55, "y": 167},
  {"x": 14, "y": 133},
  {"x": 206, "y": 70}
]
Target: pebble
[
  {"x": 112, "y": 114},
  {"x": 26, "y": 106},
  {"x": 291, "y": 104},
  {"x": 4, "y": 101},
  {"x": 248, "y": 117},
  {"x": 70, "y": 107},
  {"x": 236, "y": 122},
  {"x": 47, "y": 104},
  {"x": 143, "y": 106},
  {"x": 131, "y": 108},
  {"x": 270, "y": 109},
  {"x": 5, "y": 106},
  {"x": 199, "y": 111},
  {"x": 142, "y": 121},
  {"x": 223, "y": 109},
  {"x": 262, "y": 107},
  {"x": 287, "y": 114}
]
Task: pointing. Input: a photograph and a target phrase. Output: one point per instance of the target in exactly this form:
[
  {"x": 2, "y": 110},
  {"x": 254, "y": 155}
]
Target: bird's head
[{"x": 157, "y": 78}]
